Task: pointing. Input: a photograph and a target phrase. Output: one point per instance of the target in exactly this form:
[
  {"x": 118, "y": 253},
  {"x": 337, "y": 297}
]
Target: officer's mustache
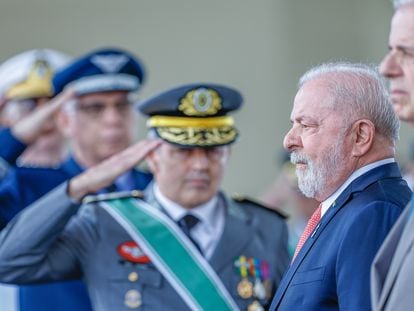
[{"x": 297, "y": 158}]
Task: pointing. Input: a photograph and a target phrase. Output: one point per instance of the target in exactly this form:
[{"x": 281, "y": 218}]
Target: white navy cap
[{"x": 29, "y": 74}]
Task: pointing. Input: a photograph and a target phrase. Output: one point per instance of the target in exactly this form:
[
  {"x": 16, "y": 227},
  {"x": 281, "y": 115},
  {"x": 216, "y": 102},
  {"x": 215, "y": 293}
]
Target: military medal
[
  {"x": 255, "y": 306},
  {"x": 245, "y": 287},
  {"x": 267, "y": 283},
  {"x": 268, "y": 288},
  {"x": 255, "y": 271},
  {"x": 133, "y": 299},
  {"x": 259, "y": 270},
  {"x": 259, "y": 289}
]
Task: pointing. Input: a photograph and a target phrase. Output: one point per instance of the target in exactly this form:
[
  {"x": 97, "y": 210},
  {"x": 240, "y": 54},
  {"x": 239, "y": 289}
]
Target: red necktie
[{"x": 312, "y": 223}]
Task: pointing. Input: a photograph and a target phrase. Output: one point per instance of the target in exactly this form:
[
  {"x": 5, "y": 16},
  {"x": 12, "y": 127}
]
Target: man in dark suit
[
  {"x": 342, "y": 143},
  {"x": 392, "y": 273},
  {"x": 187, "y": 247}
]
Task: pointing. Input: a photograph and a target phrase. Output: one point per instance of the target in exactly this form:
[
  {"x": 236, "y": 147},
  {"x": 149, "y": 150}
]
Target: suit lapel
[
  {"x": 359, "y": 184},
  {"x": 332, "y": 211},
  {"x": 236, "y": 233},
  {"x": 382, "y": 262},
  {"x": 404, "y": 236},
  {"x": 325, "y": 220}
]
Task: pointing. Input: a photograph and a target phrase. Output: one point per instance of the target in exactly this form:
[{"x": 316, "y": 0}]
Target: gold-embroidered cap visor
[
  {"x": 201, "y": 132},
  {"x": 198, "y": 137},
  {"x": 38, "y": 83}
]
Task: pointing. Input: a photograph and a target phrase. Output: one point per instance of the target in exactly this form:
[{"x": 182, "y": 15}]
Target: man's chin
[
  {"x": 405, "y": 115},
  {"x": 196, "y": 198},
  {"x": 112, "y": 150}
]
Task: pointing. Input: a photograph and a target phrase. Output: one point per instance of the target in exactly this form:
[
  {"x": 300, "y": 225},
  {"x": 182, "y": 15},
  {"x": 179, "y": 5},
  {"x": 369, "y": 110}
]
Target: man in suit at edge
[
  {"x": 392, "y": 272},
  {"x": 342, "y": 143},
  {"x": 243, "y": 243}
]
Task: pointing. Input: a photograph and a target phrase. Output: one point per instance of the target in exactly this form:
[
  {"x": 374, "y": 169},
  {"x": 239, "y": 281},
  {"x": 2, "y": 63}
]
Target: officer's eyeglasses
[{"x": 95, "y": 110}]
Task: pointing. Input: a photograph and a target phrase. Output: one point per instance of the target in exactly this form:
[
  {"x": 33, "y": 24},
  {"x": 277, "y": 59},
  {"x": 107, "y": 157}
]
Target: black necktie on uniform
[{"x": 187, "y": 223}]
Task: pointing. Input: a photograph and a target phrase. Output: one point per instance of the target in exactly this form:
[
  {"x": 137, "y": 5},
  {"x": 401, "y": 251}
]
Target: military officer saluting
[
  {"x": 182, "y": 245},
  {"x": 26, "y": 84},
  {"x": 94, "y": 110}
]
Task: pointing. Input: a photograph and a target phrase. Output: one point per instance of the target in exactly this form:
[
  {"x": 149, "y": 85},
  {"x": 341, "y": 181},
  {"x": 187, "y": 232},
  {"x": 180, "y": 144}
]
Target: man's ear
[
  {"x": 228, "y": 153},
  {"x": 363, "y": 133}
]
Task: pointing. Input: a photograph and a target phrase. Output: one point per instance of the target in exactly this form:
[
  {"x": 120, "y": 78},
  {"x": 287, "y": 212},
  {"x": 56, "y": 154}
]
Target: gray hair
[
  {"x": 359, "y": 91},
  {"x": 399, "y": 3}
]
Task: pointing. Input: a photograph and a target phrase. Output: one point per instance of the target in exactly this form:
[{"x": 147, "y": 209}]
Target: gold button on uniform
[
  {"x": 255, "y": 306},
  {"x": 133, "y": 299},
  {"x": 133, "y": 277}
]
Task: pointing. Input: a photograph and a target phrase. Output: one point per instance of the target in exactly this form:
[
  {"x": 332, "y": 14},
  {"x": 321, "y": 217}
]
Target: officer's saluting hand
[{"x": 103, "y": 174}]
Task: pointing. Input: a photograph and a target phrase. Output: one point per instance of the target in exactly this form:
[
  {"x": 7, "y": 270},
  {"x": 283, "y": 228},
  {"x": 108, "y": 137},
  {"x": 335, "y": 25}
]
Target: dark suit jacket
[
  {"x": 392, "y": 272},
  {"x": 332, "y": 270}
]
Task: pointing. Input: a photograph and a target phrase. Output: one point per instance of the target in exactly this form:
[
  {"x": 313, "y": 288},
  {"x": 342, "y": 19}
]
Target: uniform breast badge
[
  {"x": 255, "y": 306},
  {"x": 245, "y": 287},
  {"x": 133, "y": 299},
  {"x": 261, "y": 288},
  {"x": 130, "y": 251}
]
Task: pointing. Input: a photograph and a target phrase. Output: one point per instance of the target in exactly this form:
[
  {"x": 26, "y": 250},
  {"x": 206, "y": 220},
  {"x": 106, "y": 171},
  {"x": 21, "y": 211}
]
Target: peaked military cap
[
  {"x": 194, "y": 114},
  {"x": 28, "y": 75},
  {"x": 101, "y": 71}
]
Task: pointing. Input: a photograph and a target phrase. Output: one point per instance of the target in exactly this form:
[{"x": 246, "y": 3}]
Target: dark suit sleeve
[
  {"x": 361, "y": 240},
  {"x": 35, "y": 247}
]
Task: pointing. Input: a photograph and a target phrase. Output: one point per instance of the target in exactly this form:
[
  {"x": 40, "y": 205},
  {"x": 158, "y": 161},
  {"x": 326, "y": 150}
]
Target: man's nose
[{"x": 390, "y": 65}]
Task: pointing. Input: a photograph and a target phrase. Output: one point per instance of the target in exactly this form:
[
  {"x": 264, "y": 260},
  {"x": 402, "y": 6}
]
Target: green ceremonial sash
[{"x": 172, "y": 253}]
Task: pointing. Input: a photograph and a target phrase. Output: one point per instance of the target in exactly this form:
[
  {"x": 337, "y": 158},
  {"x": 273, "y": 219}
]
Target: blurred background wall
[{"x": 260, "y": 47}]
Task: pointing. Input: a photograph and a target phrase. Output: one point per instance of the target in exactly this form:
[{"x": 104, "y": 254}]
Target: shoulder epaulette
[
  {"x": 244, "y": 199},
  {"x": 112, "y": 196}
]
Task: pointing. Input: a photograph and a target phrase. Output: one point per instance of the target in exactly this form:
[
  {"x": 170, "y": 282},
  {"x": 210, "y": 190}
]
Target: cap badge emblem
[
  {"x": 42, "y": 68},
  {"x": 200, "y": 102},
  {"x": 111, "y": 63}
]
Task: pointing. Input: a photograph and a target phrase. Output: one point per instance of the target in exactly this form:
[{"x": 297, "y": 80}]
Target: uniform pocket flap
[{"x": 140, "y": 274}]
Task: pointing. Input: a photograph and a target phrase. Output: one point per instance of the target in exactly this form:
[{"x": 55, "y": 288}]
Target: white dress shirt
[{"x": 208, "y": 230}]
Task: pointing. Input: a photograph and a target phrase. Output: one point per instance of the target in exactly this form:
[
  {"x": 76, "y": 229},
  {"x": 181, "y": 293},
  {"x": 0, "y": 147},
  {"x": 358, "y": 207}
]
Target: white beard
[{"x": 314, "y": 179}]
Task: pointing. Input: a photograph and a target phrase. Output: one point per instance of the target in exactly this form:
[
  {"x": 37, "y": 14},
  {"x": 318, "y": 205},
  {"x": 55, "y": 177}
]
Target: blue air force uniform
[{"x": 21, "y": 186}]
